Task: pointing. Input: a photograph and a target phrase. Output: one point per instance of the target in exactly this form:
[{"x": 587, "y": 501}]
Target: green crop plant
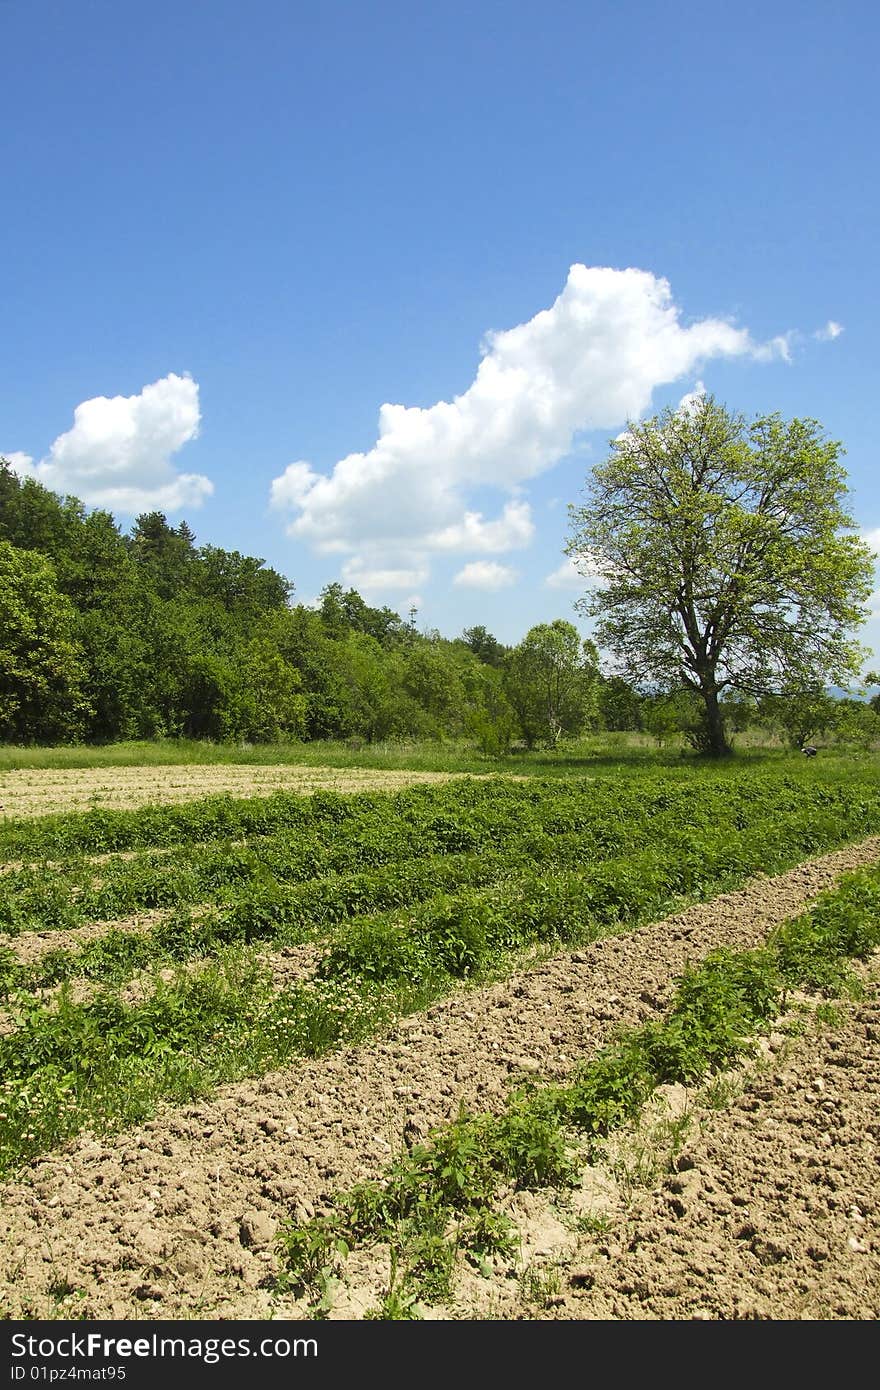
[
  {"x": 452, "y": 1181},
  {"x": 718, "y": 1007},
  {"x": 396, "y": 930}
]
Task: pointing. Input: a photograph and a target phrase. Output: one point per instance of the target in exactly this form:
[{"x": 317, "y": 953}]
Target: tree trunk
[{"x": 716, "y": 739}]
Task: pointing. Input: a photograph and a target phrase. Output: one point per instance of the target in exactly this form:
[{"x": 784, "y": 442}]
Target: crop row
[
  {"x": 537, "y": 820},
  {"x": 41, "y": 896},
  {"x": 442, "y": 1198},
  {"x": 105, "y": 1062},
  {"x": 527, "y": 888},
  {"x": 578, "y": 802},
  {"x": 223, "y": 817}
]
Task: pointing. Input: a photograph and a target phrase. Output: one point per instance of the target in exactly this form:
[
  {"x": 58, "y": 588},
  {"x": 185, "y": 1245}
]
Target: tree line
[
  {"x": 722, "y": 578},
  {"x": 107, "y": 636}
]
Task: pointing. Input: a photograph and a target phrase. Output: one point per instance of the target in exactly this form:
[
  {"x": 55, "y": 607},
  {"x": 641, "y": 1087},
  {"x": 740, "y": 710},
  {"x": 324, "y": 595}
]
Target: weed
[
  {"x": 311, "y": 1255},
  {"x": 828, "y": 1014},
  {"x": 400, "y": 1301},
  {"x": 487, "y": 1232},
  {"x": 398, "y": 1305},
  {"x": 593, "y": 1223},
  {"x": 540, "y": 1286},
  {"x": 721, "y": 1091}
]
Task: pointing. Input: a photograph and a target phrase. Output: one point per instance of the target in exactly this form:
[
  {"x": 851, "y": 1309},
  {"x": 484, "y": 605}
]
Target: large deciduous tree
[{"x": 723, "y": 557}]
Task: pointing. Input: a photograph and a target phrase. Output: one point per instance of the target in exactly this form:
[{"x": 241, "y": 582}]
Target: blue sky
[{"x": 365, "y": 289}]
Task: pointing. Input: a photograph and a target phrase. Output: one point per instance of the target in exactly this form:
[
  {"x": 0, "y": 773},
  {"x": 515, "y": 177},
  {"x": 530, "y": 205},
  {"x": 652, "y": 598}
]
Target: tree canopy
[
  {"x": 41, "y": 668},
  {"x": 550, "y": 679},
  {"x": 722, "y": 557},
  {"x": 106, "y": 636}
]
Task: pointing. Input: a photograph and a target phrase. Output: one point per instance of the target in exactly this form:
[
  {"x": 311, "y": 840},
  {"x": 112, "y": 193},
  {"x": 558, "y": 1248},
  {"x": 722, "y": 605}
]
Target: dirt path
[{"x": 177, "y": 1217}]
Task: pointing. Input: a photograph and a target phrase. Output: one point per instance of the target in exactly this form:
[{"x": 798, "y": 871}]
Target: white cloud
[
  {"x": 691, "y": 400},
  {"x": 778, "y": 347},
  {"x": 294, "y": 485},
  {"x": 566, "y": 576},
  {"x": 575, "y": 573},
  {"x": 590, "y": 361},
  {"x": 119, "y": 452},
  {"x": 831, "y": 331},
  {"x": 485, "y": 574},
  {"x": 513, "y": 529},
  {"x": 373, "y": 579},
  {"x": 22, "y": 464},
  {"x": 688, "y": 405}
]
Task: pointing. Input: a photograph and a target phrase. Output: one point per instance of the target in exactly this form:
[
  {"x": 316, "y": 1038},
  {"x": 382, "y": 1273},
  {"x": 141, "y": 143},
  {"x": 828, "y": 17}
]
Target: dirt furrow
[
  {"x": 177, "y": 1217},
  {"x": 770, "y": 1211}
]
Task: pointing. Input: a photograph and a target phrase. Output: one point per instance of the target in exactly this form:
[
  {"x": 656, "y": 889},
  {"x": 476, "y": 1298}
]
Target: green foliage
[
  {"x": 453, "y": 1180},
  {"x": 841, "y": 926},
  {"x": 171, "y": 639},
  {"x": 717, "y": 1008},
  {"x": 151, "y": 636},
  {"x": 310, "y": 1258},
  {"x": 551, "y": 682},
  {"x": 856, "y": 724},
  {"x": 484, "y": 646},
  {"x": 534, "y": 1145},
  {"x": 430, "y": 884},
  {"x": 725, "y": 561},
  {"x": 669, "y": 714},
  {"x": 405, "y": 895},
  {"x": 41, "y": 668},
  {"x": 619, "y": 705},
  {"x": 800, "y": 715},
  {"x": 610, "y": 1090},
  {"x": 398, "y": 1305}
]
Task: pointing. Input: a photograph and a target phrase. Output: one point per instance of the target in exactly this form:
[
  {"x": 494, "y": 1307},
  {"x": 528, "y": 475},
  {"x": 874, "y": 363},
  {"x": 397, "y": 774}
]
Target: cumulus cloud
[
  {"x": 778, "y": 347},
  {"x": 369, "y": 579},
  {"x": 591, "y": 360},
  {"x": 485, "y": 574},
  {"x": 831, "y": 331},
  {"x": 688, "y": 405},
  {"x": 22, "y": 464},
  {"x": 575, "y": 573},
  {"x": 119, "y": 452},
  {"x": 514, "y": 528},
  {"x": 566, "y": 576},
  {"x": 690, "y": 402}
]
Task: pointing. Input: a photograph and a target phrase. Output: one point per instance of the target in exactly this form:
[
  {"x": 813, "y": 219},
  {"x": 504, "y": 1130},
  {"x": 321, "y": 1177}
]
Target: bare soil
[
  {"x": 43, "y": 791},
  {"x": 177, "y": 1218}
]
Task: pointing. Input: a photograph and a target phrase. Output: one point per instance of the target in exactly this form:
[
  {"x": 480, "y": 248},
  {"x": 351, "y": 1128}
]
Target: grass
[{"x": 593, "y": 753}]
